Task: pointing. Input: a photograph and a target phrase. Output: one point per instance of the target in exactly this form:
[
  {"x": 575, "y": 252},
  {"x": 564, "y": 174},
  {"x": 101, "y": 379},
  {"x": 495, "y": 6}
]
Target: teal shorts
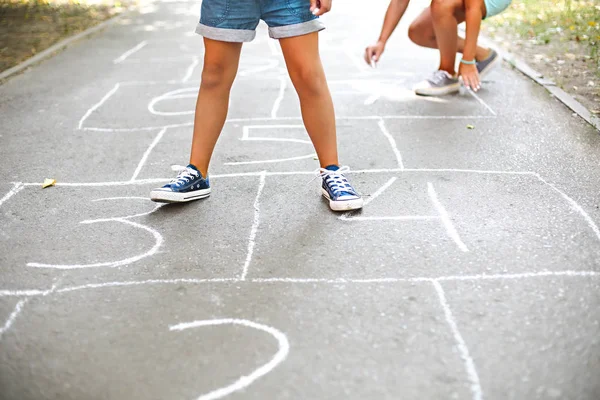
[{"x": 495, "y": 7}]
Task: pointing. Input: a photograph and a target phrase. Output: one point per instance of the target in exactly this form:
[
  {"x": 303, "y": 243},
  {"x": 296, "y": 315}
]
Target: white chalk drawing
[
  {"x": 247, "y": 380},
  {"x": 442, "y": 216},
  {"x": 255, "y": 224},
  {"x": 368, "y": 87},
  {"x": 392, "y": 142},
  {"x": 13, "y": 316},
  {"x": 129, "y": 52},
  {"x": 158, "y": 240},
  {"x": 185, "y": 93},
  {"x": 463, "y": 350},
  {"x": 247, "y": 138}
]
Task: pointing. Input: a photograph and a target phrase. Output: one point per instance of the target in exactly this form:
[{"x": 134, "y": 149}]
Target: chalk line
[
  {"x": 98, "y": 105},
  {"x": 247, "y": 128},
  {"x": 480, "y": 100},
  {"x": 23, "y": 293},
  {"x": 277, "y": 160},
  {"x": 391, "y": 280},
  {"x": 146, "y": 128},
  {"x": 372, "y": 99},
  {"x": 247, "y": 380},
  {"x": 393, "y": 218},
  {"x": 575, "y": 206},
  {"x": 460, "y": 344},
  {"x": 279, "y": 99},
  {"x": 122, "y": 198},
  {"x": 392, "y": 141},
  {"x": 17, "y": 187},
  {"x": 144, "y": 199},
  {"x": 158, "y": 240},
  {"x": 147, "y": 83},
  {"x": 142, "y": 162},
  {"x": 190, "y": 70},
  {"x": 142, "y": 283},
  {"x": 288, "y": 173},
  {"x": 450, "y": 229},
  {"x": 11, "y": 318},
  {"x": 257, "y": 119},
  {"x": 523, "y": 275},
  {"x": 255, "y": 224},
  {"x": 265, "y": 139},
  {"x": 173, "y": 94},
  {"x": 129, "y": 52},
  {"x": 149, "y": 60},
  {"x": 378, "y": 192}
]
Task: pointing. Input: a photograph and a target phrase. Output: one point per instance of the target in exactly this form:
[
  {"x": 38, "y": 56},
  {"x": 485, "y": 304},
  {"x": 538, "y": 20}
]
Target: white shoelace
[
  {"x": 185, "y": 175},
  {"x": 438, "y": 77},
  {"x": 336, "y": 181}
]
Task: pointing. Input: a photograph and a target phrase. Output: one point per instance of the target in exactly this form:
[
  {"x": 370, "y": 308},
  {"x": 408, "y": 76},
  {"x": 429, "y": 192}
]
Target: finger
[
  {"x": 377, "y": 53},
  {"x": 324, "y": 6},
  {"x": 474, "y": 83},
  {"x": 466, "y": 82},
  {"x": 313, "y": 5},
  {"x": 368, "y": 55}
]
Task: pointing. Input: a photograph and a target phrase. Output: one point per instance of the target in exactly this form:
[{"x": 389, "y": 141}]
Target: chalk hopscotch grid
[
  {"x": 284, "y": 346},
  {"x": 283, "y": 83},
  {"x": 461, "y": 345}
]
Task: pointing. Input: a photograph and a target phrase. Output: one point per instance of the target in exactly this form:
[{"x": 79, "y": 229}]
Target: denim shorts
[{"x": 236, "y": 20}]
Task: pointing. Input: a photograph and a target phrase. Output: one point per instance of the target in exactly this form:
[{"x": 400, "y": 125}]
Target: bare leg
[
  {"x": 302, "y": 58},
  {"x": 221, "y": 60},
  {"x": 421, "y": 32}
]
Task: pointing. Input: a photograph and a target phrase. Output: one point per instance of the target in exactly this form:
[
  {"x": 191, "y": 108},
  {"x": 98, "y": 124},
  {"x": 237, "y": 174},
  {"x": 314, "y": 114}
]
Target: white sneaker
[{"x": 440, "y": 83}]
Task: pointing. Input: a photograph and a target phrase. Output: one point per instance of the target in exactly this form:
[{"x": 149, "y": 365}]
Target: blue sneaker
[
  {"x": 337, "y": 189},
  {"x": 187, "y": 186}
]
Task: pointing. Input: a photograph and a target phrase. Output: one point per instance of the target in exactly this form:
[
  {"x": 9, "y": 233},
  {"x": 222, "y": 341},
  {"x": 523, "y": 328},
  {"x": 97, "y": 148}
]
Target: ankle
[
  {"x": 450, "y": 71},
  {"x": 482, "y": 54},
  {"x": 329, "y": 163},
  {"x": 201, "y": 168}
]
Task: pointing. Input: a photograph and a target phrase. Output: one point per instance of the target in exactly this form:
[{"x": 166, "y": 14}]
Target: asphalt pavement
[{"x": 473, "y": 271}]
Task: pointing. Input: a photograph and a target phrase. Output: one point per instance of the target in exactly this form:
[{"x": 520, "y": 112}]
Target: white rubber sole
[
  {"x": 345, "y": 205},
  {"x": 163, "y": 196},
  {"x": 454, "y": 88}
]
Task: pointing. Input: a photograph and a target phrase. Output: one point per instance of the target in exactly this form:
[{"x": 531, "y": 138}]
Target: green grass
[
  {"x": 544, "y": 22},
  {"x": 30, "y": 26}
]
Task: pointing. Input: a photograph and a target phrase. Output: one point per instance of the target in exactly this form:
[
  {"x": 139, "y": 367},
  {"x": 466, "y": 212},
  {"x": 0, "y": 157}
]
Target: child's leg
[
  {"x": 422, "y": 33},
  {"x": 221, "y": 61},
  {"x": 445, "y": 25},
  {"x": 303, "y": 62}
]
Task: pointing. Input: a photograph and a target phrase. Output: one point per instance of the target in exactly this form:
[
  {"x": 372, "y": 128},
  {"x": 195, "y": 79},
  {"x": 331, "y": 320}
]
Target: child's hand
[
  {"x": 374, "y": 52},
  {"x": 470, "y": 76},
  {"x": 320, "y": 7}
]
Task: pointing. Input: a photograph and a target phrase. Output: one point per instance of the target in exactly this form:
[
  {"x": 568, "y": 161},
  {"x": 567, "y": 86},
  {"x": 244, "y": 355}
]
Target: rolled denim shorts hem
[
  {"x": 226, "y": 35},
  {"x": 303, "y": 28}
]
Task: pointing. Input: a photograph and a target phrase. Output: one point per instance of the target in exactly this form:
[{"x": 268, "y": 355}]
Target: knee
[
  {"x": 444, "y": 7},
  {"x": 415, "y": 33},
  {"x": 308, "y": 80},
  {"x": 217, "y": 75}
]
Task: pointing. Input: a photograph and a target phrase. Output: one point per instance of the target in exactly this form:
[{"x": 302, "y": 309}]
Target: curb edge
[{"x": 548, "y": 84}]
